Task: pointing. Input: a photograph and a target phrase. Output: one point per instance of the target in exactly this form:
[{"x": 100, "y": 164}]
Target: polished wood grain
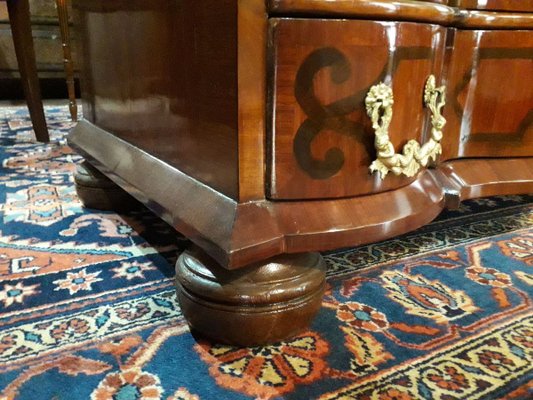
[
  {"x": 323, "y": 141},
  {"x": 163, "y": 72},
  {"x": 490, "y": 177},
  {"x": 473, "y": 13},
  {"x": 297, "y": 226},
  {"x": 490, "y": 95},
  {"x": 251, "y": 97},
  {"x": 242, "y": 307},
  {"x": 232, "y": 229},
  {"x": 19, "y": 20},
  {"x": 491, "y": 20},
  {"x": 213, "y": 103},
  {"x": 238, "y": 234},
  {"x": 403, "y": 10},
  {"x": 204, "y": 214},
  {"x": 494, "y": 5},
  {"x": 241, "y": 124}
]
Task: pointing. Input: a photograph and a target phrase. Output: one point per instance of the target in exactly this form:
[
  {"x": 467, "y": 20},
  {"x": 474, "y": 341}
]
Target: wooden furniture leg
[
  {"x": 19, "y": 19},
  {"x": 262, "y": 303},
  {"x": 62, "y": 12}
]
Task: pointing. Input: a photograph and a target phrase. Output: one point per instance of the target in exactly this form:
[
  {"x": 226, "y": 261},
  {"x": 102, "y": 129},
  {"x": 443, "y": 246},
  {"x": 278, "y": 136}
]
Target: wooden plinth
[
  {"x": 97, "y": 191},
  {"x": 262, "y": 303}
]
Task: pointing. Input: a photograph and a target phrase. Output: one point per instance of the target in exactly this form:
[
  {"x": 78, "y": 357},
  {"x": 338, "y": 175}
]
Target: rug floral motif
[{"x": 88, "y": 309}]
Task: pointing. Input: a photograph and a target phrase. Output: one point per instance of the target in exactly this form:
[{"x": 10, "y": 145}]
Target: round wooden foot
[
  {"x": 262, "y": 303},
  {"x": 97, "y": 191}
]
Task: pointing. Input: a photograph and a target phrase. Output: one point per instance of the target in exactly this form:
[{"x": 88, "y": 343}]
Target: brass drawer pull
[{"x": 379, "y": 102}]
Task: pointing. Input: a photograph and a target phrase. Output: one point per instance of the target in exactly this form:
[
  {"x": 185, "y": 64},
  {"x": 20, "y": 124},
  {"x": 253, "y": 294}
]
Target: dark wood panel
[
  {"x": 403, "y": 10},
  {"x": 490, "y": 95},
  {"x": 162, "y": 75},
  {"x": 323, "y": 142},
  {"x": 497, "y": 5}
]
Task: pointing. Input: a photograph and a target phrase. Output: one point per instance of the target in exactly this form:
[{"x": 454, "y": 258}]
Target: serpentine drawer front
[
  {"x": 493, "y": 5},
  {"x": 322, "y": 140},
  {"x": 489, "y": 104}
]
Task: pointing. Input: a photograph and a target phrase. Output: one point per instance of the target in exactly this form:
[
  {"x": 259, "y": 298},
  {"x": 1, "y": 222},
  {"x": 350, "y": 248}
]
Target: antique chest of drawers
[{"x": 266, "y": 131}]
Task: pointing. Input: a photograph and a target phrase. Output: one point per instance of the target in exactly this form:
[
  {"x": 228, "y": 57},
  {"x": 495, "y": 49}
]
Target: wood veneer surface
[
  {"x": 322, "y": 139},
  {"x": 494, "y": 5},
  {"x": 490, "y": 95},
  {"x": 162, "y": 76},
  {"x": 407, "y": 10}
]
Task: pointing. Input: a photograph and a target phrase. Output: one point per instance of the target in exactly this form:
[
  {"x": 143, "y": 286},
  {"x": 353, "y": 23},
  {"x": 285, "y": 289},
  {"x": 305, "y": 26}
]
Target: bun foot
[
  {"x": 263, "y": 303},
  {"x": 97, "y": 191}
]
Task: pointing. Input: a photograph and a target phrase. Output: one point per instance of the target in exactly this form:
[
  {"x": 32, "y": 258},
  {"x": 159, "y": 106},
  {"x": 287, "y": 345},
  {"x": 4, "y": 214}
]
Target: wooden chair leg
[
  {"x": 19, "y": 19},
  {"x": 62, "y": 12}
]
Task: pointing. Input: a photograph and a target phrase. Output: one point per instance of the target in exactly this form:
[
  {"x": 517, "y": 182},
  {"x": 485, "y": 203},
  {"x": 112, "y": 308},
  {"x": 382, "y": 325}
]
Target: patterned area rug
[{"x": 88, "y": 309}]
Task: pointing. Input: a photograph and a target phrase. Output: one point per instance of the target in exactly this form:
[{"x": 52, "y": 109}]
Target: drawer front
[
  {"x": 321, "y": 138},
  {"x": 490, "y": 95},
  {"x": 494, "y": 5}
]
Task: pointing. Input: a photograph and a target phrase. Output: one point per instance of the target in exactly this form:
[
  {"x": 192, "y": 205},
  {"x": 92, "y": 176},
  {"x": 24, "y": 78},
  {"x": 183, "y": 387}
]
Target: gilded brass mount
[{"x": 379, "y": 102}]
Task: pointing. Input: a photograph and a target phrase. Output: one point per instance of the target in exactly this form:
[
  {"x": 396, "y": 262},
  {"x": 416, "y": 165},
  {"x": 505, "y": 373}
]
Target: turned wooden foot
[
  {"x": 97, "y": 191},
  {"x": 259, "y": 304}
]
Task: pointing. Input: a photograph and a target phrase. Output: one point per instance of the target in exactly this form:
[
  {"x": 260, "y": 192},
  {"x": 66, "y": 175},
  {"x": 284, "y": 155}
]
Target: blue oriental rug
[{"x": 88, "y": 308}]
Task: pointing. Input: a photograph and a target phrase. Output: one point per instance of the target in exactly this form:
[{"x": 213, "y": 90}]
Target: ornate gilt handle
[{"x": 379, "y": 102}]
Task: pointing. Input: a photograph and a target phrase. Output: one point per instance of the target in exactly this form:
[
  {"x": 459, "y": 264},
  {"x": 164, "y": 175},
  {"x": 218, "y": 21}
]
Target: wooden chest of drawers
[{"x": 253, "y": 128}]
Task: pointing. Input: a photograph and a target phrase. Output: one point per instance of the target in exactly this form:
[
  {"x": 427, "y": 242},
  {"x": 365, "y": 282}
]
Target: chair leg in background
[
  {"x": 62, "y": 12},
  {"x": 19, "y": 19}
]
